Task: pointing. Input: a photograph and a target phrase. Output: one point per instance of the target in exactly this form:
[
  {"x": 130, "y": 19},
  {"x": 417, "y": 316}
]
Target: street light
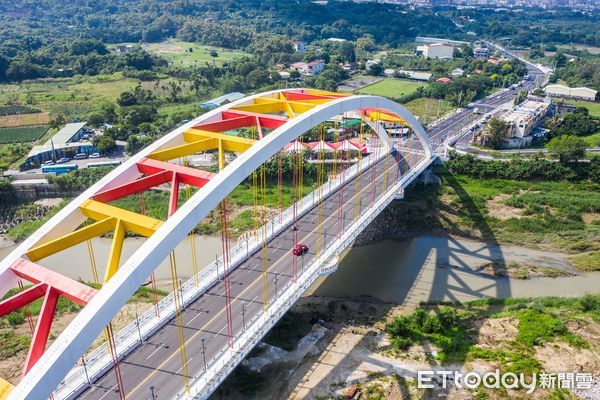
[
  {"x": 244, "y": 316},
  {"x": 275, "y": 282},
  {"x": 204, "y": 352},
  {"x": 152, "y": 393}
]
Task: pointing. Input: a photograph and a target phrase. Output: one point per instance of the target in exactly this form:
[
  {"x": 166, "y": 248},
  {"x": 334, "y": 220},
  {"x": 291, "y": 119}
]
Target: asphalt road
[
  {"x": 486, "y": 105},
  {"x": 158, "y": 362}
]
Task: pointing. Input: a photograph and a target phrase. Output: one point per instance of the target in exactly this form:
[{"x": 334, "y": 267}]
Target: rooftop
[
  {"x": 65, "y": 134},
  {"x": 226, "y": 98}
]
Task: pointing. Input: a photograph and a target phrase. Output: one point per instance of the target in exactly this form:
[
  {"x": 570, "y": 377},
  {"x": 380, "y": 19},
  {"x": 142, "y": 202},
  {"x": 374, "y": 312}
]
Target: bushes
[
  {"x": 535, "y": 169},
  {"x": 446, "y": 329},
  {"x": 79, "y": 180}
]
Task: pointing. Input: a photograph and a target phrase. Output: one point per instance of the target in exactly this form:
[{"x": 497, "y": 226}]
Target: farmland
[
  {"x": 15, "y": 120},
  {"x": 23, "y": 134},
  {"x": 392, "y": 88}
]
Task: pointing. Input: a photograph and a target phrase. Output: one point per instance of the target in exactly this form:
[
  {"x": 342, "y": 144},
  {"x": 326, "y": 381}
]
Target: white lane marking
[
  {"x": 157, "y": 349},
  {"x": 218, "y": 333},
  {"x": 109, "y": 392},
  {"x": 191, "y": 320},
  {"x": 187, "y": 362}
]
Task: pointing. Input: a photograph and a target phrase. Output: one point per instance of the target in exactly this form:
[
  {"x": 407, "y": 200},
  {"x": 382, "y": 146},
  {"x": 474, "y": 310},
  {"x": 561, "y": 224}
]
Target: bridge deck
[{"x": 158, "y": 363}]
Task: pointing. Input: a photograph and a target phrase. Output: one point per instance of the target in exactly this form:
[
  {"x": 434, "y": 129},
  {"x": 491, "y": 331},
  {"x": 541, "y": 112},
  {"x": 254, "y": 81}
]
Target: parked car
[
  {"x": 49, "y": 162},
  {"x": 80, "y": 156},
  {"x": 300, "y": 249},
  {"x": 63, "y": 160},
  {"x": 95, "y": 155}
]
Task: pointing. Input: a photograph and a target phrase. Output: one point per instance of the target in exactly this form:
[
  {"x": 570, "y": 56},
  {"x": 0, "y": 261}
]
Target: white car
[{"x": 95, "y": 155}]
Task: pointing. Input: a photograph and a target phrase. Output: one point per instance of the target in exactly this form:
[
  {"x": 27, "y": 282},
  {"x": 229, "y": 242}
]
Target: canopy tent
[
  {"x": 321, "y": 146},
  {"x": 346, "y": 145},
  {"x": 295, "y": 147}
]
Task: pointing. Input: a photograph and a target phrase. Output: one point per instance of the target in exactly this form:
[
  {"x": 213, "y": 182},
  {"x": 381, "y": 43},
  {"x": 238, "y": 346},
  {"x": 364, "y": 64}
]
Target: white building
[
  {"x": 523, "y": 119},
  {"x": 481, "y": 52},
  {"x": 299, "y": 46},
  {"x": 311, "y": 68},
  {"x": 437, "y": 50},
  {"x": 580, "y": 93}
]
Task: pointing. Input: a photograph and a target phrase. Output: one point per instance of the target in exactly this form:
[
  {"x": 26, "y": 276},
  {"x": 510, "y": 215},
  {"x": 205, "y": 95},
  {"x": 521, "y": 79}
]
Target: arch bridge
[{"x": 191, "y": 339}]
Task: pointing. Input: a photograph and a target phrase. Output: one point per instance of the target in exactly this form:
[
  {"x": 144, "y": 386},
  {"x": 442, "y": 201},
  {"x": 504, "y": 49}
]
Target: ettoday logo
[{"x": 508, "y": 380}]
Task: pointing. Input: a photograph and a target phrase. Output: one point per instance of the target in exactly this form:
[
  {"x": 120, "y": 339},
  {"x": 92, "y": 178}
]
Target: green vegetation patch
[
  {"x": 452, "y": 328},
  {"x": 22, "y": 134},
  {"x": 392, "y": 88},
  {"x": 447, "y": 328},
  {"x": 589, "y": 261},
  {"x": 593, "y": 108},
  {"x": 12, "y": 344}
]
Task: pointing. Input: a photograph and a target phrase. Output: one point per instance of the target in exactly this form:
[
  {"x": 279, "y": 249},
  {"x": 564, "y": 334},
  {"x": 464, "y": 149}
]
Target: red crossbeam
[
  {"x": 265, "y": 120},
  {"x": 157, "y": 173},
  {"x": 49, "y": 285}
]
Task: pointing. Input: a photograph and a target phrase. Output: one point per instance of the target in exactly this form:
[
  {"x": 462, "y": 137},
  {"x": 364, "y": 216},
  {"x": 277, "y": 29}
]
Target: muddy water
[
  {"x": 443, "y": 268},
  {"x": 404, "y": 272},
  {"x": 75, "y": 261}
]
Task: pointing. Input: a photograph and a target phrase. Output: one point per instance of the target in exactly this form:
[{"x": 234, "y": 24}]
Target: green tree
[
  {"x": 105, "y": 143},
  {"x": 567, "y": 148},
  {"x": 494, "y": 132}
]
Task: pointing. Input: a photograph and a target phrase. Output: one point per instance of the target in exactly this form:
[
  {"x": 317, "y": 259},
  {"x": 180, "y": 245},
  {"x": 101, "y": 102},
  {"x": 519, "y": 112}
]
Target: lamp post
[
  {"x": 204, "y": 352},
  {"x": 152, "y": 396},
  {"x": 244, "y": 316}
]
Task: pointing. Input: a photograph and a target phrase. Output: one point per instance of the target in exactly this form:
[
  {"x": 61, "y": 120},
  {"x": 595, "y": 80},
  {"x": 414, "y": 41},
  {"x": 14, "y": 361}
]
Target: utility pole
[
  {"x": 244, "y": 316},
  {"x": 204, "y": 352}
]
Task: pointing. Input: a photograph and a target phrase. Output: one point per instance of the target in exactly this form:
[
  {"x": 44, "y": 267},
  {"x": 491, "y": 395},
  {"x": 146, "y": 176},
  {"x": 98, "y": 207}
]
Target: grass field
[
  {"x": 180, "y": 55},
  {"x": 427, "y": 109},
  {"x": 392, "y": 88},
  {"x": 7, "y": 121},
  {"x": 23, "y": 134},
  {"x": 592, "y": 140},
  {"x": 593, "y": 108}
]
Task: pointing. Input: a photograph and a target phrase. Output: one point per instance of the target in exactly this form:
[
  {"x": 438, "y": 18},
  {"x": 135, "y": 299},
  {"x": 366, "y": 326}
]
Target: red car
[{"x": 300, "y": 249}]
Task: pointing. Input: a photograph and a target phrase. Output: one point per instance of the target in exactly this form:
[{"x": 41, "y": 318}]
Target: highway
[{"x": 158, "y": 363}]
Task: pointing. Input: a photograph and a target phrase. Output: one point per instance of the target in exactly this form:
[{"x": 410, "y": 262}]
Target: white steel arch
[{"x": 60, "y": 357}]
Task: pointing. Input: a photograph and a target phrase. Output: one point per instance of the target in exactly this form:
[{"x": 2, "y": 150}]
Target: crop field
[
  {"x": 8, "y": 121},
  {"x": 392, "y": 88},
  {"x": 17, "y": 109},
  {"x": 22, "y": 134}
]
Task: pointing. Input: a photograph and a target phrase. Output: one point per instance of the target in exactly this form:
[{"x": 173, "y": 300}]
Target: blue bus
[{"x": 59, "y": 169}]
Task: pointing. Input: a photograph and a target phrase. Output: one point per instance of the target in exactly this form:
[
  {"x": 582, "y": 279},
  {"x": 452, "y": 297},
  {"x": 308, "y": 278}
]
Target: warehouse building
[{"x": 579, "y": 93}]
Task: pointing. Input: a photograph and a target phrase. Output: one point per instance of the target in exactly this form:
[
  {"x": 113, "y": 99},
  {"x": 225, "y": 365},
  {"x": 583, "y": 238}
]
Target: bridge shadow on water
[{"x": 398, "y": 275}]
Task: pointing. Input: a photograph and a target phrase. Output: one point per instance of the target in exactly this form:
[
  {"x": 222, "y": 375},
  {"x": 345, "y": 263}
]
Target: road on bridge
[{"x": 155, "y": 368}]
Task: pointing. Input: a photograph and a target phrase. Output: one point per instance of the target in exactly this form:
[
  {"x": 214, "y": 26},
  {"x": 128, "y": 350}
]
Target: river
[{"x": 403, "y": 272}]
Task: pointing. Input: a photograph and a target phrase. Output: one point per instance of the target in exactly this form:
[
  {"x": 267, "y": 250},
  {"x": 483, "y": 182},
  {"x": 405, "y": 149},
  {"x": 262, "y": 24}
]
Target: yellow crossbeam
[
  {"x": 116, "y": 248},
  {"x": 104, "y": 225},
  {"x": 5, "y": 389},
  {"x": 382, "y": 116},
  {"x": 140, "y": 224},
  {"x": 195, "y": 134},
  {"x": 187, "y": 149}
]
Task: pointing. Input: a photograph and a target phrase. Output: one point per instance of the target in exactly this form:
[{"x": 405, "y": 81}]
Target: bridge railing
[
  {"x": 98, "y": 361},
  {"x": 221, "y": 365}
]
